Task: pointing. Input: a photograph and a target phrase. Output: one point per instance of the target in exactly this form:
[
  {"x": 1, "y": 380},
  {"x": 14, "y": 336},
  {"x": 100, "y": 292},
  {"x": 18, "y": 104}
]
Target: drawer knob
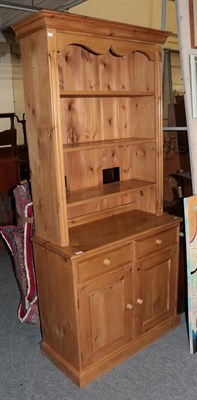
[
  {"x": 158, "y": 241},
  {"x": 129, "y": 306},
  {"x": 107, "y": 262},
  {"x": 139, "y": 301}
]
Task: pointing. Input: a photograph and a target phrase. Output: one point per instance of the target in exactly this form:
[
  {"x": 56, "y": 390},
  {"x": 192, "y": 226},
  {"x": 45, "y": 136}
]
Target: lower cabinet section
[{"x": 100, "y": 307}]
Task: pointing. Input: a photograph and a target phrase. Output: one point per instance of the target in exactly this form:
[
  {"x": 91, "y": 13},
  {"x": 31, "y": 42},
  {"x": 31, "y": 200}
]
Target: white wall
[
  {"x": 11, "y": 86},
  {"x": 6, "y": 87},
  {"x": 18, "y": 94},
  {"x": 137, "y": 12}
]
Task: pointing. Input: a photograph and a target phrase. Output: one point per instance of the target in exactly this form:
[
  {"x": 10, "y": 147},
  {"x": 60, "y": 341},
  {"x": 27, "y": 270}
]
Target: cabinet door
[
  {"x": 156, "y": 289},
  {"x": 105, "y": 314}
]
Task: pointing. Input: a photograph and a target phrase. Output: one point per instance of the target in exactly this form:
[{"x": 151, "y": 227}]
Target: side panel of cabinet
[
  {"x": 156, "y": 292},
  {"x": 44, "y": 136},
  {"x": 57, "y": 304},
  {"x": 106, "y": 314}
]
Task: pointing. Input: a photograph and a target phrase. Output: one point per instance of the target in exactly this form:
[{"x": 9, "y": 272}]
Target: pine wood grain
[{"x": 106, "y": 256}]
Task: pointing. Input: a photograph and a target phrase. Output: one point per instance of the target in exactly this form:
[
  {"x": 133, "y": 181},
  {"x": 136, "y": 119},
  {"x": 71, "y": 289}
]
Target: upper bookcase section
[{"x": 81, "y": 27}]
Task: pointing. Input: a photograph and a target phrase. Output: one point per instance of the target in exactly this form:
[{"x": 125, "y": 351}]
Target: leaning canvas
[{"x": 190, "y": 211}]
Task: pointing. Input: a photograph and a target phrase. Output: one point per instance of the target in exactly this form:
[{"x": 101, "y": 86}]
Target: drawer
[
  {"x": 104, "y": 262},
  {"x": 156, "y": 242}
]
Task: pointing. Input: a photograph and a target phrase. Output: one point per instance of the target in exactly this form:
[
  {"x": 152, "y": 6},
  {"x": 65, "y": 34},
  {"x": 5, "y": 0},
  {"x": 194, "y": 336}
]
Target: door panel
[
  {"x": 156, "y": 289},
  {"x": 105, "y": 313},
  {"x": 106, "y": 307}
]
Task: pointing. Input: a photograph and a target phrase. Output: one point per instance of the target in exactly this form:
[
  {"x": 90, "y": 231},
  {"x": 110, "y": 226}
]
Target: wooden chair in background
[{"x": 9, "y": 163}]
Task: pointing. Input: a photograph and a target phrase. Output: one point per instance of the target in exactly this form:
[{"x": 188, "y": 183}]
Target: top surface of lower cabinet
[{"x": 115, "y": 229}]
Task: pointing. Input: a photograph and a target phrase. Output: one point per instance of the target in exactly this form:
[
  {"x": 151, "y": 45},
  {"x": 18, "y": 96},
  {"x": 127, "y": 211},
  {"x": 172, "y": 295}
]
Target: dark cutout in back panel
[{"x": 111, "y": 175}]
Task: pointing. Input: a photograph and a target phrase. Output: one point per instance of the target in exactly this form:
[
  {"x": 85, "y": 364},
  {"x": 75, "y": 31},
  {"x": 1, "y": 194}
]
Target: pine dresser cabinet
[{"x": 106, "y": 255}]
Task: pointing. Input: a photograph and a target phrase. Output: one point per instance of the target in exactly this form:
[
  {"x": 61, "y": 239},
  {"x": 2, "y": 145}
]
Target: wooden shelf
[
  {"x": 80, "y": 197},
  {"x": 105, "y": 143},
  {"x": 104, "y": 93}
]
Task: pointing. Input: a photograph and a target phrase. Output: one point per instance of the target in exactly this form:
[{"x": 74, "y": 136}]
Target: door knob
[
  {"x": 107, "y": 262},
  {"x": 129, "y": 306}
]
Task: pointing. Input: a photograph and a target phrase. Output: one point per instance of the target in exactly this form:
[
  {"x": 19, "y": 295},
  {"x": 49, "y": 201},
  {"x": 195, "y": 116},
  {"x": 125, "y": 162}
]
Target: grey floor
[{"x": 163, "y": 371}]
